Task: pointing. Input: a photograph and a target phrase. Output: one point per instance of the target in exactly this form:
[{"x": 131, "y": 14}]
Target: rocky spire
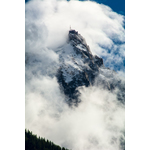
[{"x": 79, "y": 67}]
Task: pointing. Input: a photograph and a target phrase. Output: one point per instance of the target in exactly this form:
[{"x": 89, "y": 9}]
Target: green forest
[{"x": 32, "y": 142}]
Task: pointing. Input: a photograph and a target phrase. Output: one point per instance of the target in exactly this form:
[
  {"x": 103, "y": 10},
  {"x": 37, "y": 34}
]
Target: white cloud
[
  {"x": 94, "y": 124},
  {"x": 98, "y": 122},
  {"x": 48, "y": 22}
]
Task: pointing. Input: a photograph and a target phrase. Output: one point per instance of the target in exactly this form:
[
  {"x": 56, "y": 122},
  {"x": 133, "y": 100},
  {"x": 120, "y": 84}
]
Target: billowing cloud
[
  {"x": 98, "y": 122},
  {"x": 48, "y": 22}
]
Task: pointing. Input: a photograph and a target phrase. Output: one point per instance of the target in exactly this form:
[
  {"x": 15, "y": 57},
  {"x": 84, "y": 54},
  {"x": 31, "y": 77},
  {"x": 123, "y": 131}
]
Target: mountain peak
[
  {"x": 79, "y": 66},
  {"x": 77, "y": 40},
  {"x": 71, "y": 31}
]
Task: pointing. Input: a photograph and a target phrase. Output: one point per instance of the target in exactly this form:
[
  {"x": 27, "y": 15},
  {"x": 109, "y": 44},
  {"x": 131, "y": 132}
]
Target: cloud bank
[
  {"x": 98, "y": 122},
  {"x": 48, "y": 22}
]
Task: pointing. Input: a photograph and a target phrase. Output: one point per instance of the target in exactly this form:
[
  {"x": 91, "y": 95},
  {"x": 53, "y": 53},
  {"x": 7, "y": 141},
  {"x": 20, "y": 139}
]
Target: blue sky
[{"x": 116, "y": 5}]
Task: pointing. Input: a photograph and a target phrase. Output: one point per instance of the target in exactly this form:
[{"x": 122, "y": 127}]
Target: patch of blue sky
[
  {"x": 116, "y": 5},
  {"x": 113, "y": 64},
  {"x": 114, "y": 57},
  {"x": 27, "y": 1}
]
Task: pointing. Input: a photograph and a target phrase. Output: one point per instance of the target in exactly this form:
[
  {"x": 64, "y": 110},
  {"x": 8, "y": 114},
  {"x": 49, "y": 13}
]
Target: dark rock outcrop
[{"x": 79, "y": 67}]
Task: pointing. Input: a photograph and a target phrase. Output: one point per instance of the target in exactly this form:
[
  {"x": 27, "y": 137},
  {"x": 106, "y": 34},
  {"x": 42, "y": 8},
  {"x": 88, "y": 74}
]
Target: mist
[
  {"x": 98, "y": 121},
  {"x": 48, "y": 23}
]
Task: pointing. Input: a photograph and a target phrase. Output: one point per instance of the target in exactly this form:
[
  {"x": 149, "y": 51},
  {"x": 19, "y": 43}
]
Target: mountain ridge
[
  {"x": 79, "y": 67},
  {"x": 74, "y": 68}
]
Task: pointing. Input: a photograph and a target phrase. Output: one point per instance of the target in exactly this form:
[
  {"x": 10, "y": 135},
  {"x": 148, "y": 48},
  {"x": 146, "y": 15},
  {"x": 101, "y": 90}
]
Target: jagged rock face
[{"x": 78, "y": 66}]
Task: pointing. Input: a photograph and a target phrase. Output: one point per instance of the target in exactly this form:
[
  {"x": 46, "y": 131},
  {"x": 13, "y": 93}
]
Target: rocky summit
[
  {"x": 79, "y": 67},
  {"x": 76, "y": 67}
]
